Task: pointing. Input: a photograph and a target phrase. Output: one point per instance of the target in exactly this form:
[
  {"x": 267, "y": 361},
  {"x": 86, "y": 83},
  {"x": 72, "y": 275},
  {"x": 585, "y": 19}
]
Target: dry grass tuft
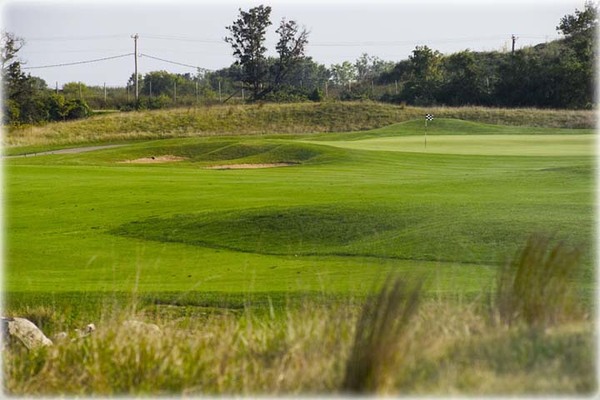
[
  {"x": 380, "y": 335},
  {"x": 537, "y": 286}
]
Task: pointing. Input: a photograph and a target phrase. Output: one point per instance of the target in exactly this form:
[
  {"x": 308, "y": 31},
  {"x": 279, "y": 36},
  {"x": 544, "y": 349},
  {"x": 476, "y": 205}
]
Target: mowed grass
[
  {"x": 334, "y": 221},
  {"x": 271, "y": 265},
  {"x": 507, "y": 145}
]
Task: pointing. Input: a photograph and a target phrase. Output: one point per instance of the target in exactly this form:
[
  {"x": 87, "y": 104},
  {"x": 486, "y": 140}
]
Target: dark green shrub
[
  {"x": 76, "y": 109},
  {"x": 316, "y": 95}
]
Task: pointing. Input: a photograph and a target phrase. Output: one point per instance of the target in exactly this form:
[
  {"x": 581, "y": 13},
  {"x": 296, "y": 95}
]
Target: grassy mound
[
  {"x": 274, "y": 119},
  {"x": 226, "y": 151},
  {"x": 202, "y": 151},
  {"x": 290, "y": 231},
  {"x": 448, "y": 233}
]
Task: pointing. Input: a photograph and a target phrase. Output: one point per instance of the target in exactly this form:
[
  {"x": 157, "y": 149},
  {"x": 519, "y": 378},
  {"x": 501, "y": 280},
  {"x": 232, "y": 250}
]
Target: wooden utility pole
[
  {"x": 514, "y": 39},
  {"x": 135, "y": 57},
  {"x": 104, "y": 92}
]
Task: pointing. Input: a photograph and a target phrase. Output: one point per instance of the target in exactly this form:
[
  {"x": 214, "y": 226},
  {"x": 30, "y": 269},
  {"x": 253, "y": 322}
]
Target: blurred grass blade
[
  {"x": 380, "y": 335},
  {"x": 536, "y": 287}
]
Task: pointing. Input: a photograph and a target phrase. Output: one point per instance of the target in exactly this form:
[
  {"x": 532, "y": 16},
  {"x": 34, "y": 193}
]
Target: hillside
[{"x": 297, "y": 118}]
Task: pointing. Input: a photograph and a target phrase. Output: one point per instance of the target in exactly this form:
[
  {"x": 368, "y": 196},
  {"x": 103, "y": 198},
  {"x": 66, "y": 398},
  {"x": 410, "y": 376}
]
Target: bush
[
  {"x": 12, "y": 112},
  {"x": 57, "y": 107},
  {"x": 287, "y": 94},
  {"x": 155, "y": 103},
  {"x": 76, "y": 109},
  {"x": 316, "y": 95}
]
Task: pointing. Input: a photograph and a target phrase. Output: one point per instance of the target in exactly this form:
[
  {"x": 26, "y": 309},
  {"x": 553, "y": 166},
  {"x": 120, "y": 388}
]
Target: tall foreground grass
[
  {"x": 274, "y": 119},
  {"x": 448, "y": 349},
  {"x": 380, "y": 336},
  {"x": 536, "y": 287}
]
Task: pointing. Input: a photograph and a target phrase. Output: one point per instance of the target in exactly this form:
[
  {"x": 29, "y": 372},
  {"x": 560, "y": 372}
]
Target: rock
[
  {"x": 26, "y": 331},
  {"x": 81, "y": 333},
  {"x": 141, "y": 327},
  {"x": 90, "y": 328},
  {"x": 60, "y": 337}
]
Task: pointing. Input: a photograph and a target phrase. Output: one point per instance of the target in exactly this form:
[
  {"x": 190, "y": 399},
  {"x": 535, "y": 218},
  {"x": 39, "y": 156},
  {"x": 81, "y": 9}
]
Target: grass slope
[{"x": 271, "y": 119}]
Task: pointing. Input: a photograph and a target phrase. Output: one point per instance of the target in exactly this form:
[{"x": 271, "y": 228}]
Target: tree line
[{"x": 558, "y": 74}]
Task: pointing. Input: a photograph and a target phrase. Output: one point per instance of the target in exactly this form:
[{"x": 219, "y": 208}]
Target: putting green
[{"x": 497, "y": 145}]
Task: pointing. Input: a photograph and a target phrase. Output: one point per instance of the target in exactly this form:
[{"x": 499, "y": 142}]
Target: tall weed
[
  {"x": 380, "y": 336},
  {"x": 537, "y": 286}
]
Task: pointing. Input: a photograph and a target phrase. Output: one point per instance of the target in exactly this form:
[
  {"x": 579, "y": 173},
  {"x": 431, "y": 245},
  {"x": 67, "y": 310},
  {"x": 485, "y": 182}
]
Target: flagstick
[{"x": 425, "y": 132}]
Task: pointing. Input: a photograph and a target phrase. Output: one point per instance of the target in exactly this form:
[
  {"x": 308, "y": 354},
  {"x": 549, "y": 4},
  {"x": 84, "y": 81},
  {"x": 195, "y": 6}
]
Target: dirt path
[{"x": 74, "y": 150}]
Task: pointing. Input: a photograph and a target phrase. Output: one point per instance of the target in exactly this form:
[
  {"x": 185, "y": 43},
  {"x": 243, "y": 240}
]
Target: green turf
[
  {"x": 343, "y": 215},
  {"x": 493, "y": 145}
]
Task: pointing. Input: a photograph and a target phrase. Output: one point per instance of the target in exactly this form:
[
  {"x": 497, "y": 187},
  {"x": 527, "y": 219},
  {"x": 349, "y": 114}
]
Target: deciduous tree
[{"x": 248, "y": 42}]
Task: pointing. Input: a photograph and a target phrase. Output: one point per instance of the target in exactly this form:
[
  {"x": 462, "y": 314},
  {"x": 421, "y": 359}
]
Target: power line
[
  {"x": 79, "y": 62},
  {"x": 54, "y": 51},
  {"x": 412, "y": 41},
  {"x": 354, "y": 43},
  {"x": 71, "y": 38},
  {"x": 184, "y": 39},
  {"x": 175, "y": 62},
  {"x": 315, "y": 44}
]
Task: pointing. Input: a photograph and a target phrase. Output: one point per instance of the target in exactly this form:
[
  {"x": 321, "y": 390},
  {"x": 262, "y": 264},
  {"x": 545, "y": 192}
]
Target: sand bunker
[
  {"x": 250, "y": 166},
  {"x": 154, "y": 160}
]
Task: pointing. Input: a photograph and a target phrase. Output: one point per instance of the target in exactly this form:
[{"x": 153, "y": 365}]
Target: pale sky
[{"x": 59, "y": 32}]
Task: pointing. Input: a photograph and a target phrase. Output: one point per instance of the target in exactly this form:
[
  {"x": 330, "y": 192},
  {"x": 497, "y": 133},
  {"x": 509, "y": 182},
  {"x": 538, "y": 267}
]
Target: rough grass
[
  {"x": 536, "y": 287},
  {"x": 380, "y": 343},
  {"x": 273, "y": 119},
  {"x": 448, "y": 348}
]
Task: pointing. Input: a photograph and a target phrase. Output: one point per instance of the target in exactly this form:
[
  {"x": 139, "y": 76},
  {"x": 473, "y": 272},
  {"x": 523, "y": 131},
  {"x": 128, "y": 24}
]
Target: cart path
[{"x": 73, "y": 150}]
